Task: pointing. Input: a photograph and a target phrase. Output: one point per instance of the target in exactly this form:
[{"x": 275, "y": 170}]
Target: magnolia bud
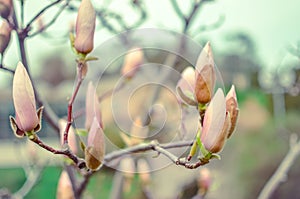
[
  {"x": 143, "y": 170},
  {"x": 40, "y": 23},
  {"x": 127, "y": 167},
  {"x": 5, "y": 32},
  {"x": 71, "y": 136},
  {"x": 64, "y": 188},
  {"x": 204, "y": 181},
  {"x": 95, "y": 149},
  {"x": 92, "y": 107},
  {"x": 216, "y": 124},
  {"x": 187, "y": 82},
  {"x": 232, "y": 108},
  {"x": 138, "y": 133},
  {"x": 205, "y": 75},
  {"x": 132, "y": 61},
  {"x": 85, "y": 27},
  {"x": 5, "y": 8},
  {"x": 27, "y": 119}
]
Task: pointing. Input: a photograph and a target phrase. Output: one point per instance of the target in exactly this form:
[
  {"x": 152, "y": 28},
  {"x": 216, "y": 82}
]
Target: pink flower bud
[
  {"x": 127, "y": 167},
  {"x": 27, "y": 119},
  {"x": 143, "y": 170},
  {"x": 40, "y": 23},
  {"x": 5, "y": 32},
  {"x": 187, "y": 81},
  {"x": 85, "y": 27},
  {"x": 204, "y": 181},
  {"x": 132, "y": 61},
  {"x": 92, "y": 107},
  {"x": 5, "y": 8},
  {"x": 64, "y": 188},
  {"x": 232, "y": 108},
  {"x": 95, "y": 149},
  {"x": 216, "y": 124},
  {"x": 138, "y": 133},
  {"x": 205, "y": 75},
  {"x": 62, "y": 123}
]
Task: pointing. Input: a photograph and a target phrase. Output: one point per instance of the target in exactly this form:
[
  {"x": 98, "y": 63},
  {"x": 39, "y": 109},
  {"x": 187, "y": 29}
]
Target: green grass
[{"x": 99, "y": 186}]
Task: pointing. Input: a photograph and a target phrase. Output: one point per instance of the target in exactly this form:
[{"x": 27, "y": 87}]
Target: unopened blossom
[
  {"x": 187, "y": 84},
  {"x": 92, "y": 107},
  {"x": 204, "y": 180},
  {"x": 216, "y": 124},
  {"x": 132, "y": 62},
  {"x": 127, "y": 167},
  {"x": 5, "y": 32},
  {"x": 143, "y": 170},
  {"x": 95, "y": 149},
  {"x": 5, "y": 8},
  {"x": 27, "y": 117},
  {"x": 62, "y": 123},
  {"x": 205, "y": 75},
  {"x": 64, "y": 187},
  {"x": 138, "y": 133},
  {"x": 85, "y": 27},
  {"x": 40, "y": 23},
  {"x": 232, "y": 108}
]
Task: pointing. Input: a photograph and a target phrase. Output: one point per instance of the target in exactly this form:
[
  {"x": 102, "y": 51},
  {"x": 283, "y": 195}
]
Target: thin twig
[
  {"x": 52, "y": 21},
  {"x": 83, "y": 184},
  {"x": 41, "y": 12},
  {"x": 177, "y": 9},
  {"x": 190, "y": 17},
  {"x": 144, "y": 147},
  {"x": 31, "y": 180},
  {"x": 22, "y": 12},
  {"x": 79, "y": 162},
  {"x": 7, "y": 69},
  {"x": 281, "y": 173},
  {"x": 71, "y": 101}
]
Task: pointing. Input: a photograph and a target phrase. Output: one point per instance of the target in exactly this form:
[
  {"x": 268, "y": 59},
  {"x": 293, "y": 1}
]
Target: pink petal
[
  {"x": 92, "y": 107},
  {"x": 187, "y": 81},
  {"x": 5, "y": 34},
  {"x": 96, "y": 140},
  {"x": 231, "y": 93},
  {"x": 85, "y": 27},
  {"x": 24, "y": 100},
  {"x": 132, "y": 61},
  {"x": 214, "y": 119},
  {"x": 64, "y": 188},
  {"x": 205, "y": 75}
]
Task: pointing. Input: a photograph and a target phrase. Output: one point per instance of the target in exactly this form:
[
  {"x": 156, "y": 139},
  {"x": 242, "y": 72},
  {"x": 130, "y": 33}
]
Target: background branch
[
  {"x": 6, "y": 69},
  {"x": 281, "y": 173},
  {"x": 32, "y": 178},
  {"x": 41, "y": 12}
]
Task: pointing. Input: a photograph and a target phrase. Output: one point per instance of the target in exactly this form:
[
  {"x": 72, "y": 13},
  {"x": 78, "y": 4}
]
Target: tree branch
[
  {"x": 31, "y": 180},
  {"x": 80, "y": 163},
  {"x": 71, "y": 101},
  {"x": 147, "y": 147},
  {"x": 83, "y": 184},
  {"x": 7, "y": 69},
  {"x": 41, "y": 12},
  {"x": 281, "y": 173},
  {"x": 52, "y": 21}
]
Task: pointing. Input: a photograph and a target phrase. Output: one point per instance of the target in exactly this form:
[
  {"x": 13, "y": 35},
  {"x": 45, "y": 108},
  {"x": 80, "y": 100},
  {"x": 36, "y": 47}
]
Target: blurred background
[{"x": 256, "y": 46}]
